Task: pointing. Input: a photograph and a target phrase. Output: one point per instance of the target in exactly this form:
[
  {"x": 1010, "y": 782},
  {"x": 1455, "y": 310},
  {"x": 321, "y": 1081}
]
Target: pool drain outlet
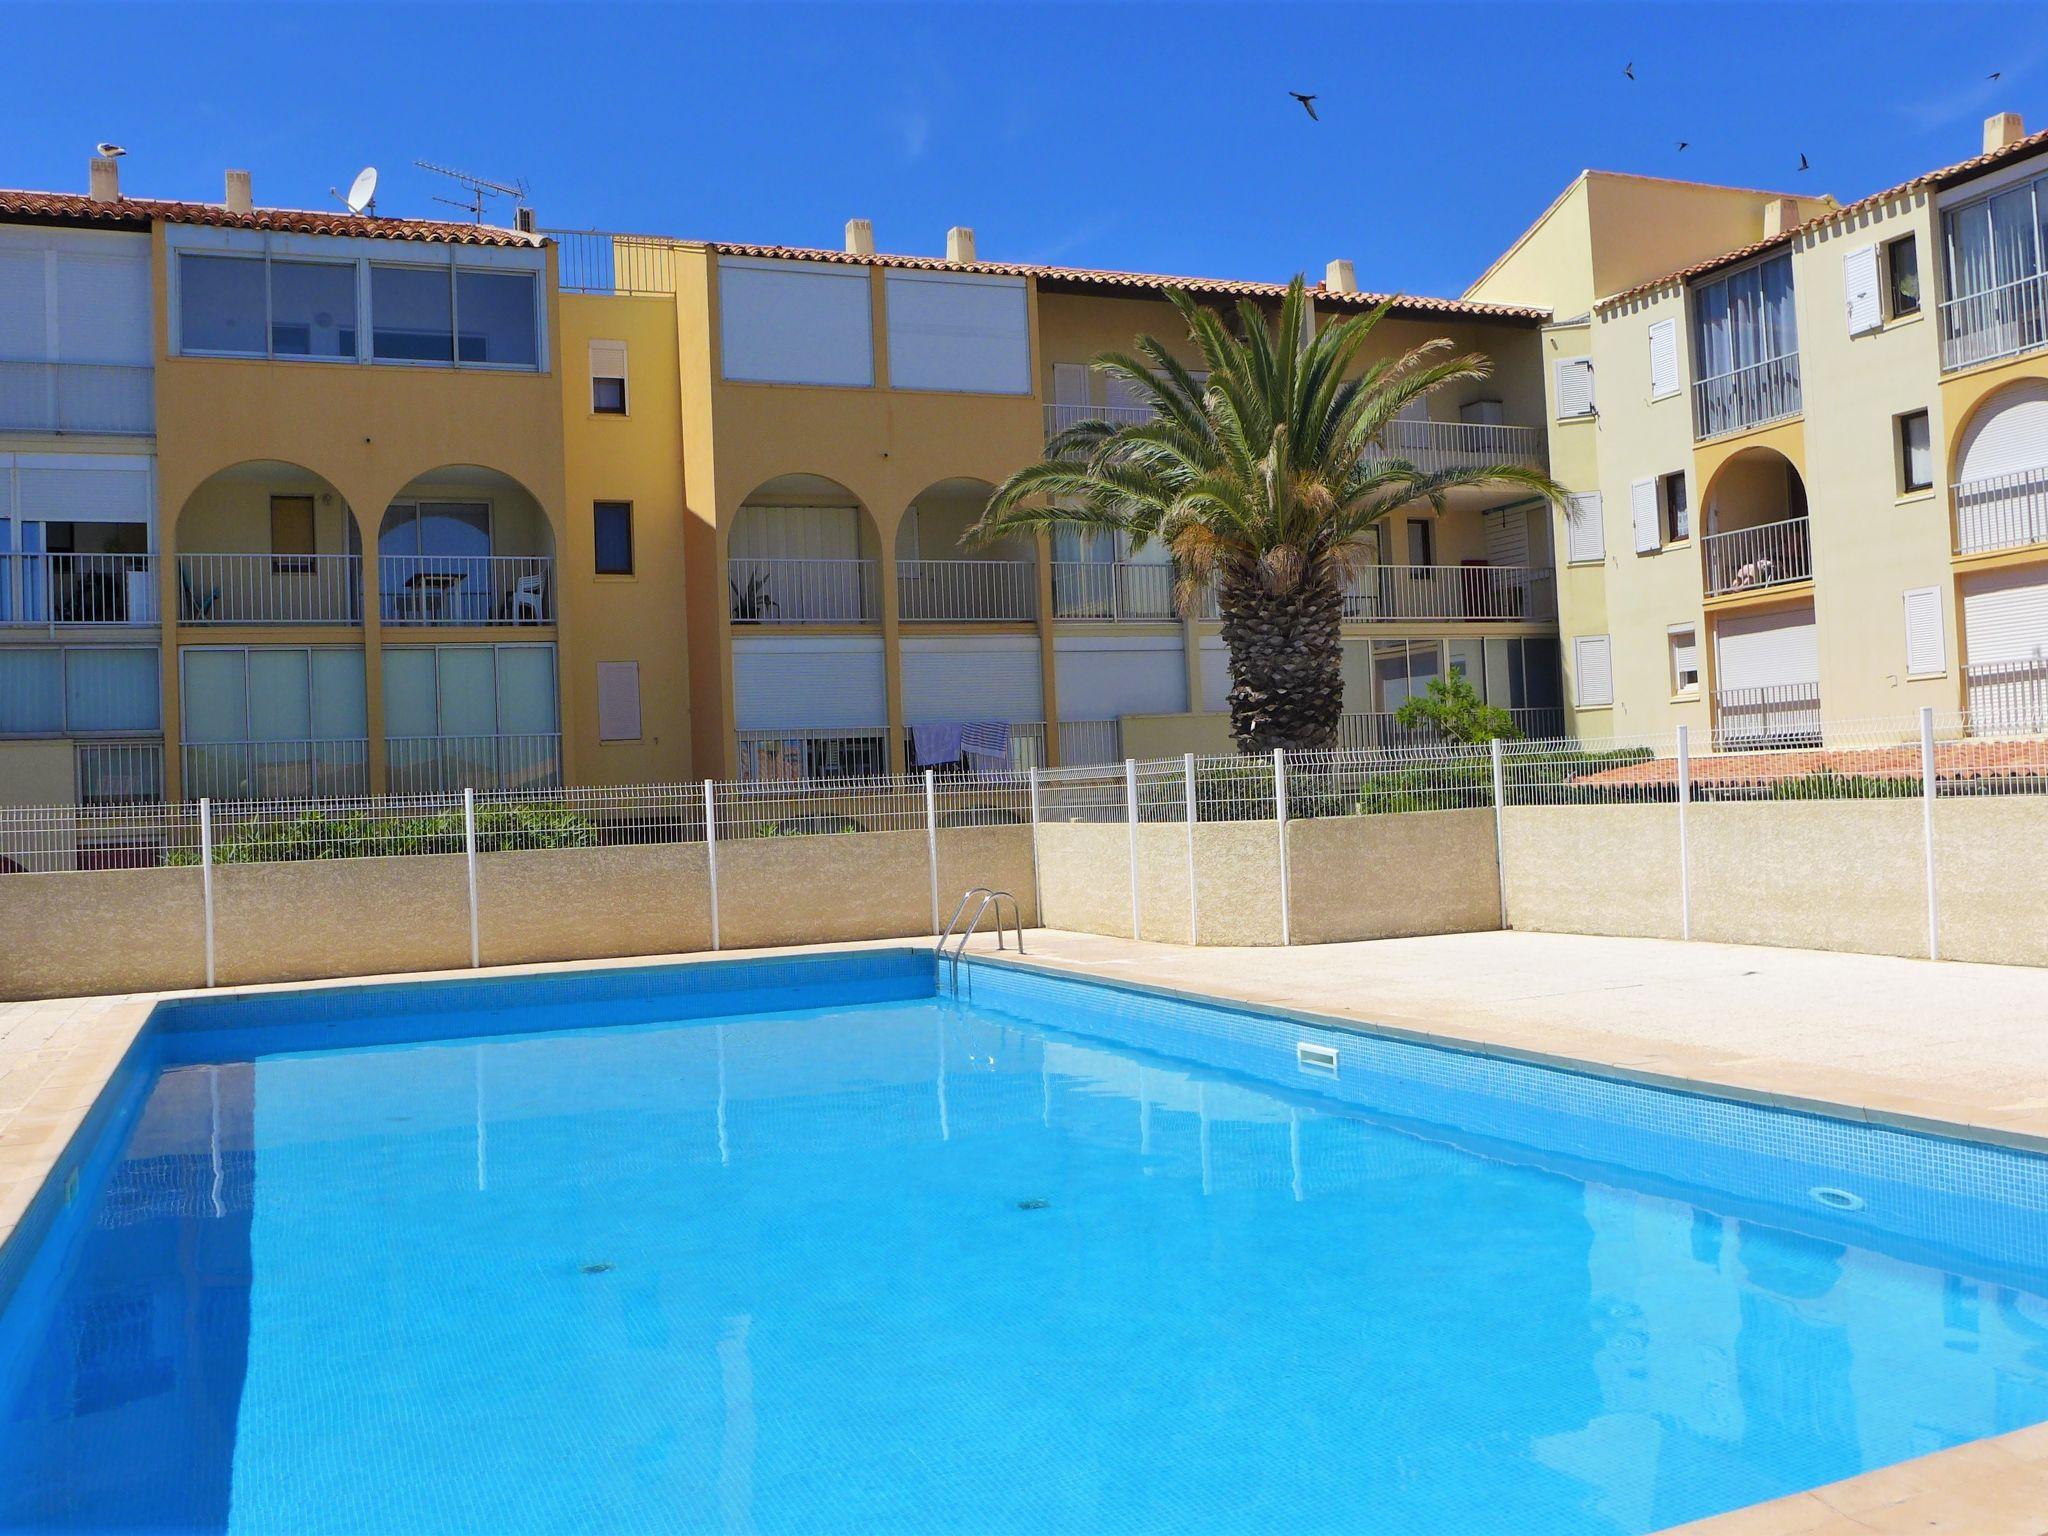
[{"x": 1836, "y": 1199}]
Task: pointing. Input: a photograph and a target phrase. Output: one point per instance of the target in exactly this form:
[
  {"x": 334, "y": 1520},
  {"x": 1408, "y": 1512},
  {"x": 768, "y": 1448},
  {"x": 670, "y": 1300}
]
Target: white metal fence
[
  {"x": 967, "y": 590},
  {"x": 466, "y": 589},
  {"x": 270, "y": 589},
  {"x": 1436, "y": 446},
  {"x": 777, "y": 591},
  {"x": 1058, "y": 418},
  {"x": 1113, "y": 591}
]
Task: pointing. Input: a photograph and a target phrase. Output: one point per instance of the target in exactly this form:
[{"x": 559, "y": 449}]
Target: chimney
[
  {"x": 106, "y": 179},
  {"x": 1340, "y": 277},
  {"x": 2001, "y": 129},
  {"x": 1781, "y": 214},
  {"x": 238, "y": 192},
  {"x": 860, "y": 237},
  {"x": 960, "y": 244}
]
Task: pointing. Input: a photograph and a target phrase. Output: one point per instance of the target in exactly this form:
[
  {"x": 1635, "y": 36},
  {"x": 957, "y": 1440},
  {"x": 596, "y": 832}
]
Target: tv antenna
[
  {"x": 479, "y": 189},
  {"x": 362, "y": 192}
]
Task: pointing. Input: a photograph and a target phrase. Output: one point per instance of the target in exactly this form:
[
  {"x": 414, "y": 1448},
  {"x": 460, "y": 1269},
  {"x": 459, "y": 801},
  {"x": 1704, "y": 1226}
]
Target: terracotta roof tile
[
  {"x": 1992, "y": 761},
  {"x": 139, "y": 212},
  {"x": 1946, "y": 176},
  {"x": 1098, "y": 280}
]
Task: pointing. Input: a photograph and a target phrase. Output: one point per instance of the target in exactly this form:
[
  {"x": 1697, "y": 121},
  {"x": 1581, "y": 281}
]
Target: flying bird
[
  {"x": 1684, "y": 144},
  {"x": 109, "y": 151},
  {"x": 1802, "y": 161},
  {"x": 1630, "y": 69},
  {"x": 1308, "y": 103},
  {"x": 1994, "y": 74}
]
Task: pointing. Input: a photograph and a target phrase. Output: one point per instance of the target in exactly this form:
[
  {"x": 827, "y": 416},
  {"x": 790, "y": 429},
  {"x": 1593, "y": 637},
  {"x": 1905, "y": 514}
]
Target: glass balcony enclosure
[
  {"x": 1745, "y": 348},
  {"x": 1995, "y": 277}
]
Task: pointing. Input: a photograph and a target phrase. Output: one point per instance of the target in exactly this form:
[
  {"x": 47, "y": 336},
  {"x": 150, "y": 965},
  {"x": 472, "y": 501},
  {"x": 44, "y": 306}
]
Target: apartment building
[{"x": 1810, "y": 459}]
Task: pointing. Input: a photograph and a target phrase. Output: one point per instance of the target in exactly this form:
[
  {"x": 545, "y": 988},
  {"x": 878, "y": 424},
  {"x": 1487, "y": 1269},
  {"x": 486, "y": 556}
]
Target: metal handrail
[{"x": 987, "y": 896}]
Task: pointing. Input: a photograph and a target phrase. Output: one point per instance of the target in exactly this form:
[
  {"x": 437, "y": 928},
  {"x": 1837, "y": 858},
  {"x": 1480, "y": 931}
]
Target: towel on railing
[
  {"x": 936, "y": 744},
  {"x": 987, "y": 745}
]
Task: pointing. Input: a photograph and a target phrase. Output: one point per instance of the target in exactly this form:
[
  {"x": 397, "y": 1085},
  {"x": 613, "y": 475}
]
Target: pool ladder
[{"x": 988, "y": 898}]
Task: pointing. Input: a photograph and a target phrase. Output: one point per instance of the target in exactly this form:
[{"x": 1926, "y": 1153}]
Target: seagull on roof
[
  {"x": 1630, "y": 69},
  {"x": 109, "y": 151},
  {"x": 1308, "y": 103},
  {"x": 1802, "y": 161}
]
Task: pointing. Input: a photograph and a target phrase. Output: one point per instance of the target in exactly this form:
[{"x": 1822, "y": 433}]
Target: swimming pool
[{"x": 794, "y": 1245}]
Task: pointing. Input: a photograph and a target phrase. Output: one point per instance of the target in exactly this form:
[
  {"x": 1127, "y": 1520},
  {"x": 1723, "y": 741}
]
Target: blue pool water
[{"x": 798, "y": 1247}]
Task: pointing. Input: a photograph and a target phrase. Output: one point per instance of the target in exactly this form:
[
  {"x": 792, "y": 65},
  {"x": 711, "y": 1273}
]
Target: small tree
[{"x": 1454, "y": 707}]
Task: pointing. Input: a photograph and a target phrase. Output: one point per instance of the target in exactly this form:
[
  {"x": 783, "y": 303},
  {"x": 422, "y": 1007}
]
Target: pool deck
[{"x": 1960, "y": 1049}]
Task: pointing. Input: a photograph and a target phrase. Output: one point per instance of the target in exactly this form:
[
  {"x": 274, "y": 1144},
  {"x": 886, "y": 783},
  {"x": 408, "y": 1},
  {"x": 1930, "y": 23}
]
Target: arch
[
  {"x": 463, "y": 544},
  {"x": 941, "y": 576},
  {"x": 2005, "y": 433},
  {"x": 803, "y": 549},
  {"x": 267, "y": 541},
  {"x": 1751, "y": 488}
]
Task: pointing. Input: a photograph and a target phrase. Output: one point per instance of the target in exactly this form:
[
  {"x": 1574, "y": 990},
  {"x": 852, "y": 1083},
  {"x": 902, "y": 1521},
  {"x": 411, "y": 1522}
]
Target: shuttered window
[
  {"x": 1642, "y": 507},
  {"x": 1685, "y": 660},
  {"x": 608, "y": 378},
  {"x": 1574, "y": 386},
  {"x": 1585, "y": 538},
  {"x": 2005, "y": 616},
  {"x": 972, "y": 678},
  {"x": 954, "y": 331},
  {"x": 1769, "y": 650},
  {"x": 822, "y": 682},
  {"x": 790, "y": 322},
  {"x": 1860, "y": 290},
  {"x": 1663, "y": 359},
  {"x": 1102, "y": 677},
  {"x": 1593, "y": 661},
  {"x": 618, "y": 701},
  {"x": 1926, "y": 652}
]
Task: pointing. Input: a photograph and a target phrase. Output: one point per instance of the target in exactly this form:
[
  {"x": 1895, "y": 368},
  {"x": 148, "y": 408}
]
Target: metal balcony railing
[
  {"x": 1747, "y": 397},
  {"x": 1451, "y": 593},
  {"x": 1999, "y": 322},
  {"x": 803, "y": 591},
  {"x": 276, "y": 770},
  {"x": 466, "y": 589},
  {"x": 1112, "y": 591},
  {"x": 270, "y": 589},
  {"x": 1781, "y": 715},
  {"x": 119, "y": 772},
  {"x": 2001, "y": 511},
  {"x": 447, "y": 765},
  {"x": 1083, "y": 742},
  {"x": 77, "y": 397},
  {"x": 601, "y": 262},
  {"x": 2007, "y": 696},
  {"x": 967, "y": 590},
  {"x": 799, "y": 752},
  {"x": 1384, "y": 732},
  {"x": 1058, "y": 418},
  {"x": 49, "y": 590},
  {"x": 1436, "y": 446},
  {"x": 1751, "y": 559}
]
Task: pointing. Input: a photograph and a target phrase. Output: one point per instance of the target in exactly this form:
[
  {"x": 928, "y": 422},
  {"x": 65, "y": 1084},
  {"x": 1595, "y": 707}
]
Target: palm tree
[{"x": 1261, "y": 481}]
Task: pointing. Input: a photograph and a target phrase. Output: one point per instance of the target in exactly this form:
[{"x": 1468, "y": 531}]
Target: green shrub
[
  {"x": 1830, "y": 784},
  {"x": 1451, "y": 787},
  {"x": 1453, "y": 706},
  {"x": 359, "y": 834}
]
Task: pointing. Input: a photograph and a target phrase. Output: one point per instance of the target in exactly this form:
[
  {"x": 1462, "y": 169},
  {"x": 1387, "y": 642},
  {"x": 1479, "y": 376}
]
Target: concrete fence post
[
  {"x": 206, "y": 876},
  {"x": 1927, "y": 788},
  {"x": 476, "y": 950},
  {"x": 711, "y": 854},
  {"x": 1684, "y": 847},
  {"x": 931, "y": 843},
  {"x": 1194, "y": 918},
  {"x": 1500, "y": 841},
  {"x": 1280, "y": 822},
  {"x": 1131, "y": 818}
]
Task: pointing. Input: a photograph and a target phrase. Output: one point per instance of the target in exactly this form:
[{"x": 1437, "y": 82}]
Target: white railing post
[
  {"x": 1927, "y": 786},
  {"x": 1131, "y": 815},
  {"x": 1500, "y": 842},
  {"x": 476, "y": 952},
  {"x": 1280, "y": 820},
  {"x": 711, "y": 854},
  {"x": 931, "y": 840},
  {"x": 206, "y": 876},
  {"x": 1684, "y": 862},
  {"x": 1037, "y": 895},
  {"x": 1194, "y": 918}
]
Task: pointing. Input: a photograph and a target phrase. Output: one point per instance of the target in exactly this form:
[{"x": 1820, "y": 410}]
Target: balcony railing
[
  {"x": 1112, "y": 591},
  {"x": 1383, "y": 732},
  {"x": 1083, "y": 742},
  {"x": 1747, "y": 397},
  {"x": 1501, "y": 594},
  {"x": 49, "y": 590},
  {"x": 1436, "y": 446},
  {"x": 1058, "y": 418},
  {"x": 120, "y": 772},
  {"x": 1026, "y": 749},
  {"x": 597, "y": 261},
  {"x": 466, "y": 589},
  {"x": 803, "y": 591},
  {"x": 276, "y": 770},
  {"x": 1781, "y": 715},
  {"x": 1751, "y": 559},
  {"x": 802, "y": 753},
  {"x": 446, "y": 765},
  {"x": 1999, "y": 322},
  {"x": 2001, "y": 511},
  {"x": 967, "y": 590},
  {"x": 77, "y": 397},
  {"x": 2007, "y": 696},
  {"x": 270, "y": 589}
]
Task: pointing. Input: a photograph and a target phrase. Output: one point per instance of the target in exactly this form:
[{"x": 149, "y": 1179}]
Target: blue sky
[{"x": 1151, "y": 136}]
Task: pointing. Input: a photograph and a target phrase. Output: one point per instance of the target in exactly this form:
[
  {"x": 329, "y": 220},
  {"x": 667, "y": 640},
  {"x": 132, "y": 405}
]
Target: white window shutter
[
  {"x": 607, "y": 359},
  {"x": 1859, "y": 285},
  {"x": 1663, "y": 359},
  {"x": 1926, "y": 649},
  {"x": 1574, "y": 386},
  {"x": 1642, "y": 505},
  {"x": 1585, "y": 539},
  {"x": 1685, "y": 657},
  {"x": 1594, "y": 663}
]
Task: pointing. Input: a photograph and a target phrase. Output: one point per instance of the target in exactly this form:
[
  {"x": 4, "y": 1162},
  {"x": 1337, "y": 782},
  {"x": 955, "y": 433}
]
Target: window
[
  {"x": 1685, "y": 659},
  {"x": 221, "y": 305},
  {"x": 1663, "y": 359},
  {"x": 412, "y": 315},
  {"x": 1916, "y": 455},
  {"x": 1926, "y": 646},
  {"x": 618, "y": 701},
  {"x": 1677, "y": 513},
  {"x": 953, "y": 331},
  {"x": 795, "y": 322},
  {"x": 608, "y": 378},
  {"x": 1593, "y": 662},
  {"x": 496, "y": 312},
  {"x": 312, "y": 309},
  {"x": 273, "y": 693},
  {"x": 1746, "y": 348},
  {"x": 1404, "y": 669},
  {"x": 449, "y": 691},
  {"x": 1421, "y": 541},
  {"x": 1574, "y": 386},
  {"x": 78, "y": 690},
  {"x": 291, "y": 533},
  {"x": 1642, "y": 509},
  {"x": 613, "y": 522},
  {"x": 1902, "y": 277},
  {"x": 1585, "y": 531}
]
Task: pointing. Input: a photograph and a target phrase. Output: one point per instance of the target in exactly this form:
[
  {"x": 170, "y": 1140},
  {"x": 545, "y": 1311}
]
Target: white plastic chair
[{"x": 530, "y": 599}]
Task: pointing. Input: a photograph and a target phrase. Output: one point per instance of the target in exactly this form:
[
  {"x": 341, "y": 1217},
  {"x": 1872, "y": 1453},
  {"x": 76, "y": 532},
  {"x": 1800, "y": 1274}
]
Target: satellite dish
[{"x": 362, "y": 192}]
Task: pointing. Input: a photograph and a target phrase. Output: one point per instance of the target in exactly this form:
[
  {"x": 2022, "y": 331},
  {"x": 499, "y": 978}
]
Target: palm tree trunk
[{"x": 1286, "y": 661}]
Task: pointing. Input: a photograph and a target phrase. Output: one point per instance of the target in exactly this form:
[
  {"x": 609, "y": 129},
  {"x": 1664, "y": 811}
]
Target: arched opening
[
  {"x": 2001, "y": 471},
  {"x": 941, "y": 577},
  {"x": 463, "y": 545},
  {"x": 267, "y": 542},
  {"x": 803, "y": 550},
  {"x": 1756, "y": 524}
]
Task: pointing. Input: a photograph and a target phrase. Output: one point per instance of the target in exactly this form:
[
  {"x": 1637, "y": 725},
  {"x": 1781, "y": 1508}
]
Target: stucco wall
[
  {"x": 1609, "y": 869},
  {"x": 1237, "y": 882},
  {"x": 1837, "y": 874},
  {"x": 1378, "y": 877},
  {"x": 1162, "y": 881},
  {"x": 339, "y": 917},
  {"x": 593, "y": 903},
  {"x": 811, "y": 890},
  {"x": 997, "y": 857},
  {"x": 116, "y": 930},
  {"x": 1084, "y": 880},
  {"x": 1992, "y": 900}
]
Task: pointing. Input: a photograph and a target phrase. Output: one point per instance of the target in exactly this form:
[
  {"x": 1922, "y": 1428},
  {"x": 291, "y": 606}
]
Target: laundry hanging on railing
[
  {"x": 987, "y": 745},
  {"x": 937, "y": 744}
]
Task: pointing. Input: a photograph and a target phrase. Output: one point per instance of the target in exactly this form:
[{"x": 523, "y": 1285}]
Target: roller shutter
[
  {"x": 972, "y": 679},
  {"x": 824, "y": 681}
]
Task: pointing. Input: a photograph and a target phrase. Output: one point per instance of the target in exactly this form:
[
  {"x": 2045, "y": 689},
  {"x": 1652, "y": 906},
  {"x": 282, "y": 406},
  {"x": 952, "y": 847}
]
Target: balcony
[
  {"x": 2007, "y": 696},
  {"x": 447, "y": 765},
  {"x": 276, "y": 770},
  {"x": 1782, "y": 715},
  {"x": 115, "y": 399},
  {"x": 1384, "y": 732},
  {"x": 49, "y": 591},
  {"x": 1475, "y": 594},
  {"x": 1438, "y": 446},
  {"x": 1748, "y": 397},
  {"x": 1756, "y": 559},
  {"x": 2001, "y": 511},
  {"x": 1112, "y": 591},
  {"x": 120, "y": 772},
  {"x": 1999, "y": 322},
  {"x": 781, "y": 591},
  {"x": 479, "y": 590},
  {"x": 1059, "y": 418},
  {"x": 966, "y": 591},
  {"x": 269, "y": 589},
  {"x": 798, "y": 753}
]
